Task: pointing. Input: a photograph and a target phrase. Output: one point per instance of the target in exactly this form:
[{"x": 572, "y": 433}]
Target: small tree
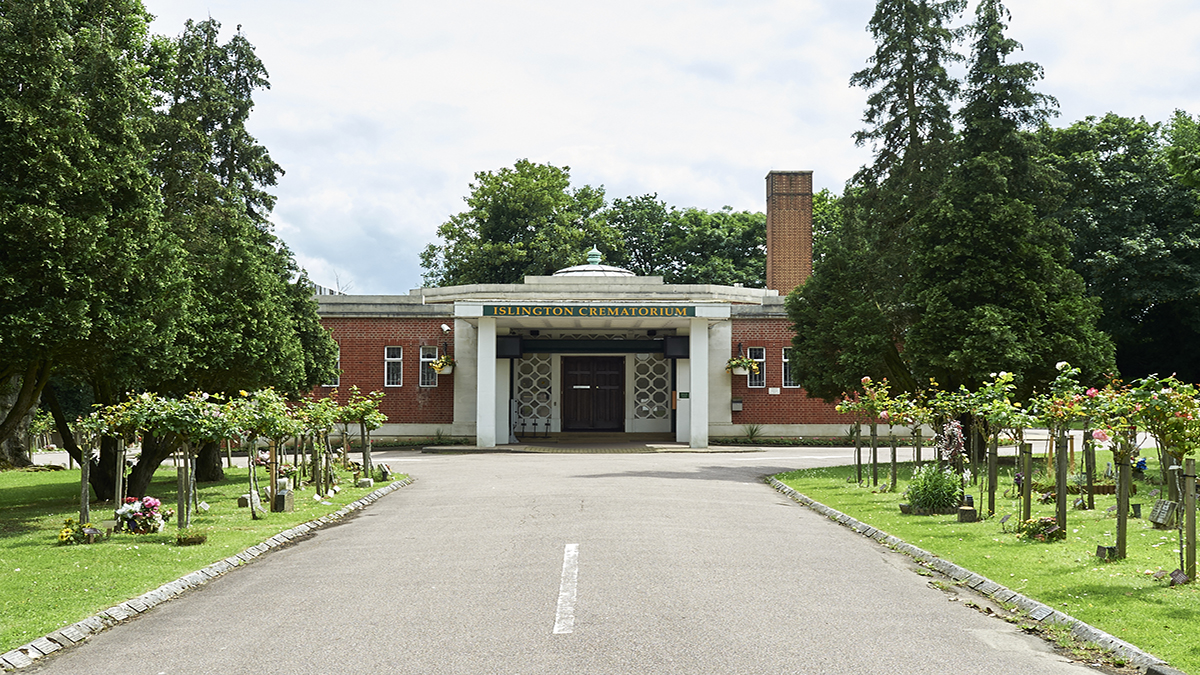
[
  {"x": 1168, "y": 409},
  {"x": 1116, "y": 415},
  {"x": 1058, "y": 409},
  {"x": 263, "y": 414},
  {"x": 318, "y": 418},
  {"x": 871, "y": 405},
  {"x": 364, "y": 411}
]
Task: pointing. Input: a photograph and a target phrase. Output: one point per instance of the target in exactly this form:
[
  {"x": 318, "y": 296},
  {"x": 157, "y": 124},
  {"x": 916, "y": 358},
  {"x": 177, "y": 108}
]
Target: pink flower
[
  {"x": 1100, "y": 435},
  {"x": 866, "y": 380},
  {"x": 884, "y": 415},
  {"x": 1092, "y": 392}
]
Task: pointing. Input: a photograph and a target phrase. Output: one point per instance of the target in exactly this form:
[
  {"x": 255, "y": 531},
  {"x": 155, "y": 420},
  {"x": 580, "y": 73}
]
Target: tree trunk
[
  {"x": 858, "y": 467},
  {"x": 366, "y": 450},
  {"x": 100, "y": 476},
  {"x": 874, "y": 454},
  {"x": 208, "y": 463},
  {"x": 892, "y": 438},
  {"x": 1026, "y": 478},
  {"x": 1060, "y": 479},
  {"x": 14, "y": 450},
  {"x": 17, "y": 408},
  {"x": 155, "y": 449},
  {"x": 1122, "y": 507},
  {"x": 993, "y": 468}
]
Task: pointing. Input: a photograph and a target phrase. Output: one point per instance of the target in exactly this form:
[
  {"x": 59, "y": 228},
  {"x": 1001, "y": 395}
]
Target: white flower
[{"x": 1062, "y": 365}]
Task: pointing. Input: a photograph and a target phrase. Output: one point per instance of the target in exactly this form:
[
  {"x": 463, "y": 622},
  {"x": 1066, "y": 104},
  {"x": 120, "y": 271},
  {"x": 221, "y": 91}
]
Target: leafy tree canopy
[
  {"x": 524, "y": 220},
  {"x": 1136, "y": 238},
  {"x": 528, "y": 220}
]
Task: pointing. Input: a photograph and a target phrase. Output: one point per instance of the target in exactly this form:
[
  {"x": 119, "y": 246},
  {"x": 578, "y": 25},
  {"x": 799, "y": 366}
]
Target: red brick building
[{"x": 592, "y": 348}]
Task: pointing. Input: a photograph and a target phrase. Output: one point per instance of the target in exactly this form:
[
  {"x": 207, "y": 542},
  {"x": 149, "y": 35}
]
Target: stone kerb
[
  {"x": 981, "y": 584},
  {"x": 27, "y": 654}
]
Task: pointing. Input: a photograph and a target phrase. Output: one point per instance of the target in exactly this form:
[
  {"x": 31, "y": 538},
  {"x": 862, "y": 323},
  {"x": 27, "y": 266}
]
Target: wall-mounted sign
[{"x": 589, "y": 311}]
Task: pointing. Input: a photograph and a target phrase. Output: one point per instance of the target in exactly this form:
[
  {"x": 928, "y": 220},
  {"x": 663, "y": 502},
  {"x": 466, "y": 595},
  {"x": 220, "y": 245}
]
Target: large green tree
[
  {"x": 524, "y": 220},
  {"x": 167, "y": 274},
  {"x": 1136, "y": 238},
  {"x": 252, "y": 321},
  {"x": 861, "y": 264},
  {"x": 991, "y": 285},
  {"x": 88, "y": 271},
  {"x": 720, "y": 247}
]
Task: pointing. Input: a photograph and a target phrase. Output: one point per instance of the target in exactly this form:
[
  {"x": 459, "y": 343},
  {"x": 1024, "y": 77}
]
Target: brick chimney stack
[{"x": 789, "y": 229}]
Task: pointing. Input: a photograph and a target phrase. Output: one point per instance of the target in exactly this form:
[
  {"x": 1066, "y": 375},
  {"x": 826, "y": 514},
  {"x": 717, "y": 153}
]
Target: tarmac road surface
[{"x": 573, "y": 563}]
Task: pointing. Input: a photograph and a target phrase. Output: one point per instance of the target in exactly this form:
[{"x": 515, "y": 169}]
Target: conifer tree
[
  {"x": 849, "y": 317},
  {"x": 991, "y": 288}
]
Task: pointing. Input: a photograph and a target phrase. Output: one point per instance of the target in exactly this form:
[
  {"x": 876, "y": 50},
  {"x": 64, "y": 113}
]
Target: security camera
[{"x": 445, "y": 328}]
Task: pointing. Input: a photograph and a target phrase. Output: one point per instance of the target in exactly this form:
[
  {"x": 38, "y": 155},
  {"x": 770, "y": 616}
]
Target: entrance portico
[{"x": 547, "y": 362}]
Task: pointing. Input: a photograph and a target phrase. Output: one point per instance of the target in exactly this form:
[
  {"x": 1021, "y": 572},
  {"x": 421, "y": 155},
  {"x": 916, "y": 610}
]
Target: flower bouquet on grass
[
  {"x": 143, "y": 516},
  {"x": 1041, "y": 529},
  {"x": 73, "y": 532}
]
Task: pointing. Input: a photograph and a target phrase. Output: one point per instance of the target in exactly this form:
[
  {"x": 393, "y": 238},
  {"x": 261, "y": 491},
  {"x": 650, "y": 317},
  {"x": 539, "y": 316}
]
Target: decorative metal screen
[
  {"x": 651, "y": 387},
  {"x": 534, "y": 388}
]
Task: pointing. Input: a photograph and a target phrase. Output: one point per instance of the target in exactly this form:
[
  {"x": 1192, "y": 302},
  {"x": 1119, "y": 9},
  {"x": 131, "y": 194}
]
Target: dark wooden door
[{"x": 593, "y": 393}]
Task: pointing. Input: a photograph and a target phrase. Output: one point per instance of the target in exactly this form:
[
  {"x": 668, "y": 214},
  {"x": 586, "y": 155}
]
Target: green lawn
[
  {"x": 1121, "y": 598},
  {"x": 44, "y": 586}
]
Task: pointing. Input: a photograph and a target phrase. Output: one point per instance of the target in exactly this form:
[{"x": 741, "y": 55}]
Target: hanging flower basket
[
  {"x": 741, "y": 365},
  {"x": 443, "y": 365}
]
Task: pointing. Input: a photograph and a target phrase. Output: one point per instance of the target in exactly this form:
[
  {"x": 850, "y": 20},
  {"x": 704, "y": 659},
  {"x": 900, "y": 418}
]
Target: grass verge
[
  {"x": 1121, "y": 597},
  {"x": 45, "y": 586}
]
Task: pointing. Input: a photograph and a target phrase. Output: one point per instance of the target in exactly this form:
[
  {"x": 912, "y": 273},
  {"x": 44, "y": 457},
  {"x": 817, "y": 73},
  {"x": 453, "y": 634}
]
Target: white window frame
[
  {"x": 428, "y": 376},
  {"x": 789, "y": 380},
  {"x": 757, "y": 380},
  {"x": 337, "y": 379},
  {"x": 393, "y": 364}
]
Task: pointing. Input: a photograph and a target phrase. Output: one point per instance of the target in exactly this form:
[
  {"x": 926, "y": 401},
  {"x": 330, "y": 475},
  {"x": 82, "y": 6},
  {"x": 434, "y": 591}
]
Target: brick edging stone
[
  {"x": 1036, "y": 610},
  {"x": 26, "y": 654}
]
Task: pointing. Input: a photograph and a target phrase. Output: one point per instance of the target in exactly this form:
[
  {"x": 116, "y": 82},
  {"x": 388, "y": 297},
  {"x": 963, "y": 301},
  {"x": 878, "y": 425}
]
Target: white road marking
[
  {"x": 773, "y": 458},
  {"x": 564, "y": 619}
]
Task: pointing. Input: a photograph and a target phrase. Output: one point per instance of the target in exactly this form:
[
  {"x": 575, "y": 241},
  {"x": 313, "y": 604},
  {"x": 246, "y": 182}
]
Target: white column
[
  {"x": 485, "y": 385},
  {"x": 698, "y": 357},
  {"x": 683, "y": 406},
  {"x": 466, "y": 351}
]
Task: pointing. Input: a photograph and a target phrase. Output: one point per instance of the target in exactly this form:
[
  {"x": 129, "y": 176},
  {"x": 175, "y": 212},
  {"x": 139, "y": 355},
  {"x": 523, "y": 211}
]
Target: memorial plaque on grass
[
  {"x": 1178, "y": 578},
  {"x": 1163, "y": 513}
]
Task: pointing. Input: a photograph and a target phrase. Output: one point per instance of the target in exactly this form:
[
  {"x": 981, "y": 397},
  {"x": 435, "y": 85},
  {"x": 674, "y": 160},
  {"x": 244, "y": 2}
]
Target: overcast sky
[{"x": 382, "y": 111}]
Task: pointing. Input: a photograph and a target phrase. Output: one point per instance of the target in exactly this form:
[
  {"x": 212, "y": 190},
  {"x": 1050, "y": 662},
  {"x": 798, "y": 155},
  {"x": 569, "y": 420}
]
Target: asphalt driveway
[{"x": 577, "y": 563}]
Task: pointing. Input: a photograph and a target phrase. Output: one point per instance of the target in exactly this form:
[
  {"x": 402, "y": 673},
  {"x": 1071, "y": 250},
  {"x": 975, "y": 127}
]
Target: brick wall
[
  {"x": 362, "y": 343},
  {"x": 790, "y": 405},
  {"x": 789, "y": 229}
]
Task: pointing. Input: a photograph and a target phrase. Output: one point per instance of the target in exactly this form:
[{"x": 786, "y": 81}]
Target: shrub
[{"x": 934, "y": 488}]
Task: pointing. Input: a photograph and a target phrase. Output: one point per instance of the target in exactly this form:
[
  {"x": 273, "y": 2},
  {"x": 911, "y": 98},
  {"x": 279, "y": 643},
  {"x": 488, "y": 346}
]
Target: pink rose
[
  {"x": 1092, "y": 392},
  {"x": 1100, "y": 436}
]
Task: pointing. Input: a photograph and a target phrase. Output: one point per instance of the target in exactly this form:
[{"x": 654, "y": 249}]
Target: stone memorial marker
[
  {"x": 1163, "y": 514},
  {"x": 284, "y": 501}
]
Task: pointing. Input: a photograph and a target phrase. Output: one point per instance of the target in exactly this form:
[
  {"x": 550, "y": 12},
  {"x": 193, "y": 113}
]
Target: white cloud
[{"x": 381, "y": 112}]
